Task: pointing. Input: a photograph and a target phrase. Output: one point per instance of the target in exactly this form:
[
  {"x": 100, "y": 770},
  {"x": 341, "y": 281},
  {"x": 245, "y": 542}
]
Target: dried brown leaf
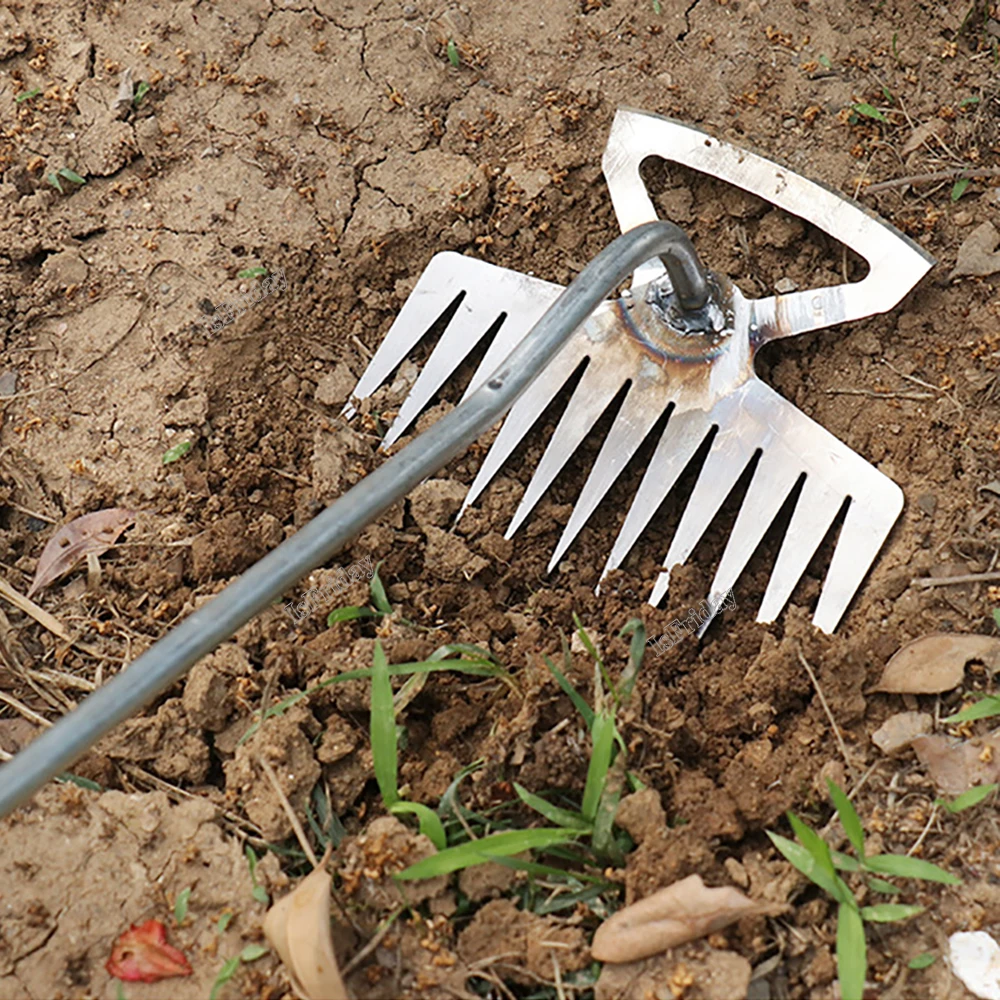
[
  {"x": 298, "y": 927},
  {"x": 681, "y": 912},
  {"x": 936, "y": 663},
  {"x": 73, "y": 542},
  {"x": 936, "y": 128},
  {"x": 956, "y": 767},
  {"x": 978, "y": 256}
]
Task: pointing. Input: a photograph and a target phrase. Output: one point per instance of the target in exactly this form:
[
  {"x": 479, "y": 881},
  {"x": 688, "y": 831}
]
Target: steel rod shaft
[{"x": 54, "y": 750}]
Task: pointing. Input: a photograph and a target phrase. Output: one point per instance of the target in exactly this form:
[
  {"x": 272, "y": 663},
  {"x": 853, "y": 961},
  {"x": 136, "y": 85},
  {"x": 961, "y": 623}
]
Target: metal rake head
[{"x": 696, "y": 368}]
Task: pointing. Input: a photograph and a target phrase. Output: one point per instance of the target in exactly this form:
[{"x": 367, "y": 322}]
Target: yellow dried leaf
[
  {"x": 298, "y": 928},
  {"x": 681, "y": 912},
  {"x": 936, "y": 663}
]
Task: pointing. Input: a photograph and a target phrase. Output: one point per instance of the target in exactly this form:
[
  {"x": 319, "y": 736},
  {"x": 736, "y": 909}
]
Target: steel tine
[
  {"x": 493, "y": 294},
  {"x": 598, "y": 386},
  {"x": 523, "y": 312},
  {"x": 863, "y": 533},
  {"x": 815, "y": 510},
  {"x": 646, "y": 401},
  {"x": 678, "y": 443},
  {"x": 444, "y": 278},
  {"x": 732, "y": 448},
  {"x": 466, "y": 329},
  {"x": 526, "y": 411},
  {"x": 773, "y": 480}
]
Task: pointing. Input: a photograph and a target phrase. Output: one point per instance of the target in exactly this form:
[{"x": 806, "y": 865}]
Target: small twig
[
  {"x": 28, "y": 713},
  {"x": 32, "y": 513},
  {"x": 29, "y": 607},
  {"x": 376, "y": 940},
  {"x": 302, "y": 481},
  {"x": 945, "y": 581},
  {"x": 937, "y": 175},
  {"x": 826, "y": 708},
  {"x": 300, "y": 834},
  {"x": 924, "y": 832},
  {"x": 879, "y": 395}
]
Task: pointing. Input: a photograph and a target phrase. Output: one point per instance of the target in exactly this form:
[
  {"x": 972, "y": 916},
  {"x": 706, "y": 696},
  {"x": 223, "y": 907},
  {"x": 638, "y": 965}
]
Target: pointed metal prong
[
  {"x": 876, "y": 504},
  {"x": 773, "y": 480},
  {"x": 467, "y": 327},
  {"x": 524, "y": 309},
  {"x": 642, "y": 407},
  {"x": 443, "y": 280},
  {"x": 815, "y": 510},
  {"x": 732, "y": 448},
  {"x": 525, "y": 412},
  {"x": 678, "y": 443},
  {"x": 600, "y": 383}
]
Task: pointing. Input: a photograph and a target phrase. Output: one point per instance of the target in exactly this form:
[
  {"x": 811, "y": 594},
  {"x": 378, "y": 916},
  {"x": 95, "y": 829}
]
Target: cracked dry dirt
[{"x": 336, "y": 141}]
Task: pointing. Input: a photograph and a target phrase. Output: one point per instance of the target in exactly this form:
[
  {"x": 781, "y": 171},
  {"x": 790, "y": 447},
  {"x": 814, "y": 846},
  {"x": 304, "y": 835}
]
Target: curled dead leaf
[
  {"x": 298, "y": 928},
  {"x": 936, "y": 663},
  {"x": 681, "y": 912},
  {"x": 73, "y": 542}
]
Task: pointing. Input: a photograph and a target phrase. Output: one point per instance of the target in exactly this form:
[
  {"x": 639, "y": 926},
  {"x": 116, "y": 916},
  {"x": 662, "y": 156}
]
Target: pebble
[
  {"x": 8, "y": 383},
  {"x": 900, "y": 730},
  {"x": 785, "y": 286},
  {"x": 927, "y": 502}
]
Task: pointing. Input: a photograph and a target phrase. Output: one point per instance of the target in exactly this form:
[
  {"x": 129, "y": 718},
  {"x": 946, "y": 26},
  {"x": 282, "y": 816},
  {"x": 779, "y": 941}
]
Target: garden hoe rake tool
[
  {"x": 683, "y": 339},
  {"x": 688, "y": 357}
]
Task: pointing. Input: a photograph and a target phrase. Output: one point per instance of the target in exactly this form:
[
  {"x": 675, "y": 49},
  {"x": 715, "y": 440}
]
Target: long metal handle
[{"x": 173, "y": 655}]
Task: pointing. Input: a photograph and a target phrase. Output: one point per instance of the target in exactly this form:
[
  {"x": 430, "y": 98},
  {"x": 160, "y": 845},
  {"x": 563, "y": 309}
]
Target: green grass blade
[
  {"x": 844, "y": 862},
  {"x": 604, "y": 843},
  {"x": 430, "y": 823},
  {"x": 603, "y": 735},
  {"x": 379, "y": 598},
  {"x": 904, "y": 867},
  {"x": 869, "y": 111},
  {"x": 921, "y": 961},
  {"x": 550, "y": 872},
  {"x": 849, "y": 818},
  {"x": 570, "y": 899},
  {"x": 888, "y": 913},
  {"x": 574, "y": 696},
  {"x": 813, "y": 843},
  {"x": 561, "y": 817},
  {"x": 181, "y": 905},
  {"x": 383, "y": 729},
  {"x": 959, "y": 188},
  {"x": 348, "y": 614},
  {"x": 71, "y": 175},
  {"x": 985, "y": 708},
  {"x": 969, "y": 799},
  {"x": 803, "y": 859},
  {"x": 636, "y": 652},
  {"x": 880, "y": 885},
  {"x": 476, "y": 852},
  {"x": 852, "y": 960}
]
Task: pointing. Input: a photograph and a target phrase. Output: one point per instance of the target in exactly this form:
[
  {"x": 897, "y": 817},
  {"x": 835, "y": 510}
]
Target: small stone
[
  {"x": 65, "y": 269},
  {"x": 927, "y": 502},
  {"x": 900, "y": 730},
  {"x": 335, "y": 388},
  {"x": 785, "y": 286},
  {"x": 737, "y": 872},
  {"x": 8, "y": 383},
  {"x": 434, "y": 502}
]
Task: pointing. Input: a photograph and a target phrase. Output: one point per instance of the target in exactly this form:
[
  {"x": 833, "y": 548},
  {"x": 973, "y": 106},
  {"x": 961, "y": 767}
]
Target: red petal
[{"x": 142, "y": 955}]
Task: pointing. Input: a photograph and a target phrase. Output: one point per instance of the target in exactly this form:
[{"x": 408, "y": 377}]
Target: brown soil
[{"x": 337, "y": 142}]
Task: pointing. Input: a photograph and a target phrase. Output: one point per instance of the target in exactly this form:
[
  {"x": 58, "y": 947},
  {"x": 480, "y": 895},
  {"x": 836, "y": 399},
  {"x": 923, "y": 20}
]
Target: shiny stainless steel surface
[{"x": 705, "y": 379}]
